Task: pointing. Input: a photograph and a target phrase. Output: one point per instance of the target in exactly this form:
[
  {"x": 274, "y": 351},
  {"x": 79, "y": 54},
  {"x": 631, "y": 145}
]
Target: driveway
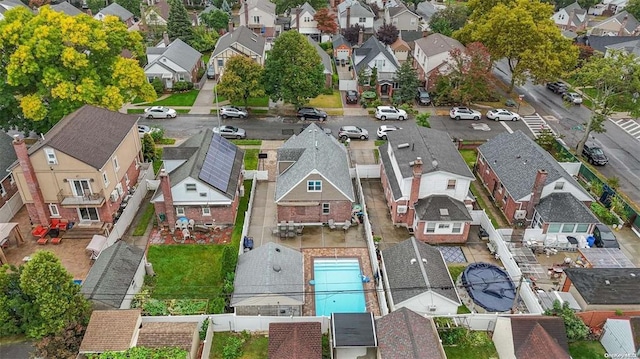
[
  {"x": 379, "y": 216},
  {"x": 20, "y": 350}
]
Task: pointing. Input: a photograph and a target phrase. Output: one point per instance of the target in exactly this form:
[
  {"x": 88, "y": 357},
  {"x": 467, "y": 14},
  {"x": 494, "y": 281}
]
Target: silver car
[
  {"x": 230, "y": 132},
  {"x": 464, "y": 113},
  {"x": 232, "y": 111},
  {"x": 160, "y": 112},
  {"x": 353, "y": 132},
  {"x": 572, "y": 97}
]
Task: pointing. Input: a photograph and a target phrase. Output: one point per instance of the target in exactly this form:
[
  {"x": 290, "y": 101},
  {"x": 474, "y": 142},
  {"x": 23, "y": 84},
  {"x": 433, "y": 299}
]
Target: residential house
[
  {"x": 259, "y": 16},
  {"x": 621, "y": 24},
  {"x": 604, "y": 288},
  {"x": 571, "y": 17},
  {"x": 621, "y": 337},
  {"x": 531, "y": 337},
  {"x": 426, "y": 184},
  {"x": 75, "y": 172},
  {"x": 354, "y": 335},
  {"x": 341, "y": 48},
  {"x": 302, "y": 20},
  {"x": 417, "y": 278},
  {"x": 352, "y": 12},
  {"x": 10, "y": 201},
  {"x": 114, "y": 9},
  {"x": 327, "y": 63},
  {"x": 432, "y": 54},
  {"x": 629, "y": 47},
  {"x": 374, "y": 54},
  {"x": 313, "y": 184},
  {"x": 155, "y": 14},
  {"x": 405, "y": 334},
  {"x": 401, "y": 50},
  {"x": 402, "y": 18},
  {"x": 603, "y": 43},
  {"x": 384, "y": 3},
  {"x": 531, "y": 187},
  {"x": 241, "y": 41},
  {"x": 183, "y": 335},
  {"x": 208, "y": 9},
  {"x": 66, "y": 8},
  {"x": 427, "y": 9},
  {"x": 299, "y": 340},
  {"x": 6, "y": 5},
  {"x": 201, "y": 181},
  {"x": 269, "y": 281},
  {"x": 173, "y": 62},
  {"x": 115, "y": 277}
]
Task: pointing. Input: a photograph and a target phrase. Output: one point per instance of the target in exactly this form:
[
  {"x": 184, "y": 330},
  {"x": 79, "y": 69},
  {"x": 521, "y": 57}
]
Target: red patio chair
[
  {"x": 43, "y": 240},
  {"x": 56, "y": 240}
]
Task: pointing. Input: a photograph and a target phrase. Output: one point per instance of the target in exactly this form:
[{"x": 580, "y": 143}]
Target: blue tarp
[{"x": 489, "y": 286}]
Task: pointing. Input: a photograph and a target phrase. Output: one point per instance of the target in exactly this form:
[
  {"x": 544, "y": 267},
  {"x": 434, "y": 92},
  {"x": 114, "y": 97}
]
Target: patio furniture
[
  {"x": 56, "y": 240},
  {"x": 332, "y": 224},
  {"x": 192, "y": 223},
  {"x": 299, "y": 230},
  {"x": 40, "y": 231},
  {"x": 59, "y": 224},
  {"x": 43, "y": 240},
  {"x": 186, "y": 234},
  {"x": 247, "y": 243},
  {"x": 346, "y": 226}
]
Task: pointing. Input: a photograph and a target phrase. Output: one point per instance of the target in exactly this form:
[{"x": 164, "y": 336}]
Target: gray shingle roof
[
  {"x": 391, "y": 173},
  {"x": 256, "y": 273},
  {"x": 629, "y": 47},
  {"x": 357, "y": 9},
  {"x": 264, "y": 5},
  {"x": 306, "y": 7},
  {"x": 339, "y": 40},
  {"x": 117, "y": 10},
  {"x": 178, "y": 52},
  {"x": 426, "y": 9},
  {"x": 516, "y": 159},
  {"x": 321, "y": 153},
  {"x": 8, "y": 154},
  {"x": 562, "y": 207},
  {"x": 622, "y": 288},
  {"x": 407, "y": 280},
  {"x": 396, "y": 10},
  {"x": 428, "y": 209},
  {"x": 243, "y": 36},
  {"x": 326, "y": 59},
  {"x": 600, "y": 43},
  {"x": 437, "y": 44},
  {"x": 110, "y": 276},
  {"x": 65, "y": 7},
  {"x": 631, "y": 24},
  {"x": 353, "y": 330},
  {"x": 405, "y": 334},
  {"x": 370, "y": 49}
]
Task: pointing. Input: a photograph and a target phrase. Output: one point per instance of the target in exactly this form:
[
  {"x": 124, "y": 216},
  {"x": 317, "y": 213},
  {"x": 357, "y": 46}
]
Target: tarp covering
[
  {"x": 489, "y": 286},
  {"x": 97, "y": 244}
]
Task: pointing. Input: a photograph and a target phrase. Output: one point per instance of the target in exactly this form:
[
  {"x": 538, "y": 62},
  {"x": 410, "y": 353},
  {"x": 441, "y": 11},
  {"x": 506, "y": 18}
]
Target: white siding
[
  {"x": 503, "y": 339},
  {"x": 183, "y": 197},
  {"x": 136, "y": 284},
  {"x": 560, "y": 18},
  {"x": 367, "y": 24},
  {"x": 617, "y": 338},
  {"x": 306, "y": 27},
  {"x": 266, "y": 19},
  {"x": 436, "y": 183},
  {"x": 568, "y": 187},
  {"x": 420, "y": 304}
]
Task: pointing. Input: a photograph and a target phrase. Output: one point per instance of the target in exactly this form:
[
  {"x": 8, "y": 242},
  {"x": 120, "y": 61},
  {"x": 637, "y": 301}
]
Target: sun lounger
[
  {"x": 56, "y": 240},
  {"x": 43, "y": 240}
]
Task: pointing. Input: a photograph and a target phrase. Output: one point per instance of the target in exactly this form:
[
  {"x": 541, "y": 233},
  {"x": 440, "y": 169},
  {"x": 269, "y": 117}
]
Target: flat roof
[{"x": 353, "y": 330}]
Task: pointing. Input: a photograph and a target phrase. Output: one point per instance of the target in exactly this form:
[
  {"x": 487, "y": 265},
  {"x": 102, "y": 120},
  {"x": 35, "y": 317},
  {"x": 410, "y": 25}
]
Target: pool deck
[{"x": 309, "y": 254}]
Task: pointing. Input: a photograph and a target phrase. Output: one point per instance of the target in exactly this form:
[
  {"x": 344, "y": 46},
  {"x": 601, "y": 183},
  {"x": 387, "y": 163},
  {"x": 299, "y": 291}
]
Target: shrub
[
  {"x": 375, "y": 103},
  {"x": 327, "y": 91},
  {"x": 335, "y": 80},
  {"x": 155, "y": 307},
  {"x": 182, "y": 86},
  {"x": 326, "y": 45},
  {"x": 158, "y": 86},
  {"x": 203, "y": 329},
  {"x": 422, "y": 119},
  {"x": 157, "y": 133},
  {"x": 228, "y": 260},
  {"x": 453, "y": 335},
  {"x": 369, "y": 95},
  {"x": 217, "y": 305},
  {"x": 604, "y": 214},
  {"x": 233, "y": 348},
  {"x": 408, "y": 108}
]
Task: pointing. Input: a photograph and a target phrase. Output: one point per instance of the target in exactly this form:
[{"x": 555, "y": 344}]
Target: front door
[
  {"x": 88, "y": 214},
  {"x": 384, "y": 90}
]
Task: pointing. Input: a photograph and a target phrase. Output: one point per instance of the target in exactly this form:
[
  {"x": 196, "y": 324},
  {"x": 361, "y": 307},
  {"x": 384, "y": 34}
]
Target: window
[
  {"x": 554, "y": 228},
  {"x": 3, "y": 192},
  {"x": 116, "y": 165},
  {"x": 180, "y": 77},
  {"x": 451, "y": 184},
  {"x": 362, "y": 19},
  {"x": 126, "y": 179},
  {"x": 568, "y": 227},
  {"x": 326, "y": 208},
  {"x": 430, "y": 228},
  {"x": 53, "y": 209},
  {"x": 256, "y": 19},
  {"x": 380, "y": 63},
  {"x": 559, "y": 185},
  {"x": 105, "y": 179},
  {"x": 180, "y": 211},
  {"x": 413, "y": 21},
  {"x": 80, "y": 188},
  {"x": 314, "y": 186},
  {"x": 457, "y": 228},
  {"x": 220, "y": 62},
  {"x": 206, "y": 211},
  {"x": 582, "y": 228},
  {"x": 444, "y": 226},
  {"x": 191, "y": 187},
  {"x": 11, "y": 179},
  {"x": 51, "y": 156}
]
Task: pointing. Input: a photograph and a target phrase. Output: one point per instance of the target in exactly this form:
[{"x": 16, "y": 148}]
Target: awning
[
  {"x": 6, "y": 229},
  {"x": 97, "y": 244}
]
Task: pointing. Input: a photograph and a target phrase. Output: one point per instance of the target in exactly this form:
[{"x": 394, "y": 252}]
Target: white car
[
  {"x": 144, "y": 129},
  {"x": 572, "y": 97},
  {"x": 464, "y": 113},
  {"x": 160, "y": 112},
  {"x": 499, "y": 114},
  {"x": 390, "y": 113},
  {"x": 232, "y": 111},
  {"x": 384, "y": 129}
]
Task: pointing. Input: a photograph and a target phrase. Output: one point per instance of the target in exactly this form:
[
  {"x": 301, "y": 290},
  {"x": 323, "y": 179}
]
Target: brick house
[
  {"x": 313, "y": 185},
  {"x": 201, "y": 180},
  {"x": 531, "y": 187},
  {"x": 75, "y": 172},
  {"x": 341, "y": 48},
  {"x": 426, "y": 184},
  {"x": 531, "y": 337},
  {"x": 9, "y": 205}
]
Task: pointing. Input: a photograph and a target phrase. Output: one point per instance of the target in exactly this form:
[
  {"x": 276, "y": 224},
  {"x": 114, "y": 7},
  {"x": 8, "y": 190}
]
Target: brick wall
[
  {"x": 442, "y": 238},
  {"x": 391, "y": 202},
  {"x": 220, "y": 215},
  {"x": 340, "y": 211},
  {"x": 10, "y": 190},
  {"x": 491, "y": 181}
]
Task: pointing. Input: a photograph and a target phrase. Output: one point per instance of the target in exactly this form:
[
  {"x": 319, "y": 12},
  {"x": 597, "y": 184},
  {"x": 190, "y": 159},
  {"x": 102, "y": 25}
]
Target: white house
[
  {"x": 402, "y": 18},
  {"x": 621, "y": 337},
  {"x": 352, "y": 12},
  {"x": 431, "y": 54},
  {"x": 259, "y": 16},
  {"x": 373, "y": 53},
  {"x": 241, "y": 41},
  {"x": 571, "y": 17},
  {"x": 302, "y": 20},
  {"x": 173, "y": 62}
]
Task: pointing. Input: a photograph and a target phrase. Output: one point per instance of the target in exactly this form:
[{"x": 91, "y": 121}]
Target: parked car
[
  {"x": 230, "y": 132},
  {"x": 211, "y": 72},
  {"x": 384, "y": 129},
  {"x": 143, "y": 130},
  {"x": 557, "y": 87},
  {"x": 232, "y": 111},
  {"x": 311, "y": 113},
  {"x": 353, "y": 132},
  {"x": 352, "y": 97},
  {"x": 572, "y": 97},
  {"x": 422, "y": 97},
  {"x": 502, "y": 115},
  {"x": 594, "y": 154},
  {"x": 390, "y": 113},
  {"x": 604, "y": 237},
  {"x": 464, "y": 113},
  {"x": 160, "y": 112}
]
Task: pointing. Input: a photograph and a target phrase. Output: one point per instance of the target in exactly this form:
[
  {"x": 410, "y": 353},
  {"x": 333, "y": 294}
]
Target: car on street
[
  {"x": 499, "y": 114},
  {"x": 604, "y": 237},
  {"x": 384, "y": 129},
  {"x": 422, "y": 97},
  {"x": 230, "y": 132},
  {"x": 211, "y": 72},
  {"x": 144, "y": 129},
  {"x": 464, "y": 113},
  {"x": 353, "y": 132},
  {"x": 594, "y": 154},
  {"x": 311, "y": 113},
  {"x": 160, "y": 112},
  {"x": 390, "y": 113},
  {"x": 232, "y": 111},
  {"x": 557, "y": 87},
  {"x": 352, "y": 97},
  {"x": 572, "y": 97}
]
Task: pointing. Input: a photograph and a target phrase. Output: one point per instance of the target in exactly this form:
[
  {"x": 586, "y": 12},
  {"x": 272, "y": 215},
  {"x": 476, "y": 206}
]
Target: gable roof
[
  {"x": 370, "y": 49},
  {"x": 563, "y": 207},
  {"x": 629, "y": 47},
  {"x": 116, "y": 9},
  {"x": 339, "y": 40},
  {"x": 167, "y": 334},
  {"x": 631, "y": 22},
  {"x": 410, "y": 36},
  {"x": 435, "y": 44},
  {"x": 306, "y": 7},
  {"x": 312, "y": 150},
  {"x": 405, "y": 334},
  {"x": 600, "y": 43},
  {"x": 110, "y": 330},
  {"x": 269, "y": 270},
  {"x": 407, "y": 279},
  {"x": 111, "y": 275},
  {"x": 178, "y": 52},
  {"x": 302, "y": 340},
  {"x": 442, "y": 208},
  {"x": 324, "y": 56},
  {"x": 243, "y": 36},
  {"x": 606, "y": 286},
  {"x": 358, "y": 9},
  {"x": 573, "y": 6},
  {"x": 8, "y": 154},
  {"x": 539, "y": 337},
  {"x": 65, "y": 7},
  {"x": 264, "y": 5},
  {"x": 399, "y": 43},
  {"x": 399, "y": 9},
  {"x": 516, "y": 158},
  {"x": 353, "y": 330}
]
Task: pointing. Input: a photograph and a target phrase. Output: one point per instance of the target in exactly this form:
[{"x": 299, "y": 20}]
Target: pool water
[{"x": 338, "y": 286}]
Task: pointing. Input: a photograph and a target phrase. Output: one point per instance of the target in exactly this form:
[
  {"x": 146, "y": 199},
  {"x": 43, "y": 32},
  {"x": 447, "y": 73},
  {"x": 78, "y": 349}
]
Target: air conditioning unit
[
  {"x": 114, "y": 196},
  {"x": 432, "y": 308},
  {"x": 401, "y": 209},
  {"x": 520, "y": 214},
  {"x": 241, "y": 191}
]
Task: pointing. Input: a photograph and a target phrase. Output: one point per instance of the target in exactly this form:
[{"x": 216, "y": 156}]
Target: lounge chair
[
  {"x": 56, "y": 240},
  {"x": 43, "y": 240}
]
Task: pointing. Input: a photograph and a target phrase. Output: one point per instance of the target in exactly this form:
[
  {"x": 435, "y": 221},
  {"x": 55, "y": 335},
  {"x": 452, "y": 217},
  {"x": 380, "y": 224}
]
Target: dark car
[
  {"x": 311, "y": 113},
  {"x": 352, "y": 97},
  {"x": 211, "y": 72},
  {"x": 422, "y": 97},
  {"x": 557, "y": 87},
  {"x": 604, "y": 237},
  {"x": 594, "y": 155}
]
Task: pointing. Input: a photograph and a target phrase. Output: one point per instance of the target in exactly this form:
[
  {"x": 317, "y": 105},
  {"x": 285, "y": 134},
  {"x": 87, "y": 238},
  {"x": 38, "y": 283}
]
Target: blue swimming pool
[{"x": 338, "y": 286}]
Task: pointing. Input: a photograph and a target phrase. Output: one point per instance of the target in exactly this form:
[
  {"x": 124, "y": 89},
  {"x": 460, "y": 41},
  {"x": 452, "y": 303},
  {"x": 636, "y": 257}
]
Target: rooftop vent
[
  {"x": 424, "y": 260},
  {"x": 632, "y": 274},
  {"x": 434, "y": 163},
  {"x": 607, "y": 282},
  {"x": 403, "y": 145},
  {"x": 278, "y": 250},
  {"x": 413, "y": 261},
  {"x": 276, "y": 268},
  {"x": 444, "y": 212}
]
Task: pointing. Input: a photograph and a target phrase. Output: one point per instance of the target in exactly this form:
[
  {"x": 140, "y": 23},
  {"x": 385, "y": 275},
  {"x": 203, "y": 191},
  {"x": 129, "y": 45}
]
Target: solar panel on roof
[{"x": 217, "y": 165}]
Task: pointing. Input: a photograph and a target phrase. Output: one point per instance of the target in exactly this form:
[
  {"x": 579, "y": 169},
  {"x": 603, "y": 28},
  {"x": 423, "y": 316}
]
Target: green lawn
[
  {"x": 157, "y": 164},
  {"x": 480, "y": 347},
  {"x": 483, "y": 205},
  {"x": 379, "y": 143},
  {"x": 327, "y": 101},
  {"x": 251, "y": 159},
  {"x": 456, "y": 270},
  {"x": 253, "y": 102},
  {"x": 255, "y": 346},
  {"x": 242, "y": 207},
  {"x": 146, "y": 217},
  {"x": 247, "y": 142},
  {"x": 469, "y": 157},
  {"x": 178, "y": 99},
  {"x": 586, "y": 350}
]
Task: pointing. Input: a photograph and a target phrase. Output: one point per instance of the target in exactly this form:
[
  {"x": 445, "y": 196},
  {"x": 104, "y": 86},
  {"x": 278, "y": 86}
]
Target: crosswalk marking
[
  {"x": 536, "y": 124},
  {"x": 630, "y": 126}
]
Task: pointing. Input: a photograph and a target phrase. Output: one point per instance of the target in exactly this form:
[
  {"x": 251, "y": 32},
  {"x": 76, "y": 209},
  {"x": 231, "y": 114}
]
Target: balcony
[{"x": 67, "y": 199}]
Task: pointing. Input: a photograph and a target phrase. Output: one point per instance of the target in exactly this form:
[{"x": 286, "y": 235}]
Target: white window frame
[
  {"x": 116, "y": 164},
  {"x": 362, "y": 19},
  {"x": 314, "y": 186},
  {"x": 429, "y": 227},
  {"x": 180, "y": 211},
  {"x": 126, "y": 179},
  {"x": 190, "y": 187},
  {"x": 11, "y": 179},
  {"x": 73, "y": 187},
  {"x": 105, "y": 178},
  {"x": 580, "y": 230},
  {"x": 51, "y": 156},
  {"x": 3, "y": 192},
  {"x": 206, "y": 211},
  {"x": 256, "y": 19},
  {"x": 456, "y": 228},
  {"x": 326, "y": 208},
  {"x": 53, "y": 210},
  {"x": 573, "y": 228},
  {"x": 550, "y": 230},
  {"x": 558, "y": 185},
  {"x": 119, "y": 189},
  {"x": 451, "y": 186}
]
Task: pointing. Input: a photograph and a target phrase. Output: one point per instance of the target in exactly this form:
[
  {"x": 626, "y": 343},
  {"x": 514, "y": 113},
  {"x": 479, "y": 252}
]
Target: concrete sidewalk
[{"x": 204, "y": 102}]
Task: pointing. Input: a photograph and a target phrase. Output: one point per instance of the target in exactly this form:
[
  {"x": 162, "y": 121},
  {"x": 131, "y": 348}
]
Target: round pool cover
[{"x": 489, "y": 286}]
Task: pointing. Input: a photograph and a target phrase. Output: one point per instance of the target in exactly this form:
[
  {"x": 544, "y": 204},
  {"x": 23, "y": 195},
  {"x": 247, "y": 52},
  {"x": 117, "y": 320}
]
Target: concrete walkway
[{"x": 204, "y": 102}]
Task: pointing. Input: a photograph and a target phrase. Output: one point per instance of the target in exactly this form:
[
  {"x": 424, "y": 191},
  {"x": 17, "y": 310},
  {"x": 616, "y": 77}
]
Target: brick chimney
[
  {"x": 246, "y": 13},
  {"x": 298, "y": 10},
  {"x": 165, "y": 39},
  {"x": 361, "y": 36},
  {"x": 416, "y": 168},
  {"x": 349, "y": 16},
  {"x": 32, "y": 182},
  {"x": 169, "y": 211},
  {"x": 536, "y": 192},
  {"x": 230, "y": 26}
]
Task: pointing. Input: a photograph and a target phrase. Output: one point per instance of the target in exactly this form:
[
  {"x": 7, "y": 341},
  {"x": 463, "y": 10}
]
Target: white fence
[
  {"x": 259, "y": 175},
  {"x": 10, "y": 208},
  {"x": 368, "y": 171},
  {"x": 477, "y": 321},
  {"x": 247, "y": 214}
]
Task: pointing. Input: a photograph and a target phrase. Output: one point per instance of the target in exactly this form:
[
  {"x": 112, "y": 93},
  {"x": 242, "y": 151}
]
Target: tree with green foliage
[
  {"x": 149, "y": 153},
  {"x": 293, "y": 70},
  {"x": 407, "y": 78},
  {"x": 241, "y": 80},
  {"x": 575, "y": 327},
  {"x": 54, "y": 63},
  {"x": 422, "y": 119},
  {"x": 449, "y": 19},
  {"x": 12, "y": 302},
  {"x": 203, "y": 40},
  {"x": 143, "y": 353},
  {"x": 131, "y": 5},
  {"x": 216, "y": 19},
  {"x": 468, "y": 73},
  {"x": 633, "y": 8},
  {"x": 373, "y": 77},
  {"x": 95, "y": 5},
  {"x": 547, "y": 140},
  {"x": 179, "y": 23}
]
